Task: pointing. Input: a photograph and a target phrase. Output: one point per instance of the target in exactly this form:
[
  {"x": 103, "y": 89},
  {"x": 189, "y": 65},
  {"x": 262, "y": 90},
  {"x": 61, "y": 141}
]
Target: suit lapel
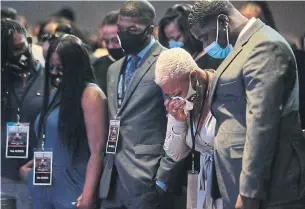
[
  {"x": 148, "y": 60},
  {"x": 236, "y": 50},
  {"x": 115, "y": 79},
  {"x": 258, "y": 24}
]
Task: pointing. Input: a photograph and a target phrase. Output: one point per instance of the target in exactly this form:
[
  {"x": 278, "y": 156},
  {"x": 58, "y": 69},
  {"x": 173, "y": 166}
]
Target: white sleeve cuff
[{"x": 180, "y": 127}]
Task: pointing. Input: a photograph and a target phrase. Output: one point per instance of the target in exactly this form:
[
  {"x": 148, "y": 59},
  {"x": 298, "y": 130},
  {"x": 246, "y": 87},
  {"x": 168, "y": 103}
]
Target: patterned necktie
[{"x": 130, "y": 70}]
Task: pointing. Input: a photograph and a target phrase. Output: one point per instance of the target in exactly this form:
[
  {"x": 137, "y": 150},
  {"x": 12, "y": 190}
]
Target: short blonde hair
[{"x": 173, "y": 64}]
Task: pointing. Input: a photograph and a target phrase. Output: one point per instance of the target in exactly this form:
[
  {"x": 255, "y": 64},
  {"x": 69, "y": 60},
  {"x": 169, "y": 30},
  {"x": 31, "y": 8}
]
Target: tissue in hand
[{"x": 188, "y": 105}]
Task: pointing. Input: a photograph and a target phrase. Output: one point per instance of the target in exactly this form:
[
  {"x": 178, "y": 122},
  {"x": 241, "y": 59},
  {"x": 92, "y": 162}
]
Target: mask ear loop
[{"x": 226, "y": 27}]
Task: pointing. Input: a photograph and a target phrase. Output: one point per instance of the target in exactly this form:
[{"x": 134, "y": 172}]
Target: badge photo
[
  {"x": 17, "y": 140},
  {"x": 113, "y": 136},
  {"x": 43, "y": 161}
]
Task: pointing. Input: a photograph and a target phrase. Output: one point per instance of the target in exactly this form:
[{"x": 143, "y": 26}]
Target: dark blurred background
[{"x": 289, "y": 16}]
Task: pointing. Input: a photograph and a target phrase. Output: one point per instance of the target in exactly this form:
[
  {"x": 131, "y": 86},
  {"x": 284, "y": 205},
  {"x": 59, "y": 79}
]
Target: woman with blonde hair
[{"x": 191, "y": 125}]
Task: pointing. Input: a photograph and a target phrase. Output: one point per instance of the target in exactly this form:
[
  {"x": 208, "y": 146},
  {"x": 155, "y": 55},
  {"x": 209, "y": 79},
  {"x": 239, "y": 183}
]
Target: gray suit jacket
[
  {"x": 259, "y": 147},
  {"x": 140, "y": 158}
]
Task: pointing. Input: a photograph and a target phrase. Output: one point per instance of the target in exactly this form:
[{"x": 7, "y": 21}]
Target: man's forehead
[
  {"x": 18, "y": 38},
  {"x": 203, "y": 27},
  {"x": 109, "y": 30},
  {"x": 126, "y": 21}
]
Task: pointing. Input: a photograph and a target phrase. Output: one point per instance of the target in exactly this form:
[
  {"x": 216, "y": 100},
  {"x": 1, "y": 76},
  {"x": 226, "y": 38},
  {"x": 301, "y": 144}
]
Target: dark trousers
[
  {"x": 119, "y": 198},
  {"x": 297, "y": 204}
]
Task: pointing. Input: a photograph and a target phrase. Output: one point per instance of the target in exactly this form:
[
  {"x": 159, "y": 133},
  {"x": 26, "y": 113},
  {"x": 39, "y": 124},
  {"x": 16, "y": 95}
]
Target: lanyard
[
  {"x": 122, "y": 81},
  {"x": 192, "y": 124},
  {"x": 20, "y": 101},
  {"x": 42, "y": 127},
  {"x": 18, "y": 115}
]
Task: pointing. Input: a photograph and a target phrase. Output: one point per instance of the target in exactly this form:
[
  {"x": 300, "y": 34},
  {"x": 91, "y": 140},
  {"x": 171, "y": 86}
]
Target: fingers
[
  {"x": 78, "y": 200},
  {"x": 30, "y": 164},
  {"x": 80, "y": 197},
  {"x": 174, "y": 105},
  {"x": 238, "y": 204},
  {"x": 166, "y": 103}
]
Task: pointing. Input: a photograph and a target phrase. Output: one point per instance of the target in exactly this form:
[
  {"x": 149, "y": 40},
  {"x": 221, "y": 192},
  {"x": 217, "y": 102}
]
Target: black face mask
[
  {"x": 18, "y": 66},
  {"x": 132, "y": 43},
  {"x": 54, "y": 79},
  {"x": 116, "y": 53}
]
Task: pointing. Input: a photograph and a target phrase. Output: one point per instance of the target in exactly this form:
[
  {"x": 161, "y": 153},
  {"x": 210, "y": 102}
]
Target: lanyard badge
[
  {"x": 17, "y": 138},
  {"x": 43, "y": 162},
  {"x": 43, "y": 157},
  {"x": 113, "y": 137}
]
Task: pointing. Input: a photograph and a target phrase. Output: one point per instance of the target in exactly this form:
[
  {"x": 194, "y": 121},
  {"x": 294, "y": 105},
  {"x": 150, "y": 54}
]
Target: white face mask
[{"x": 191, "y": 95}]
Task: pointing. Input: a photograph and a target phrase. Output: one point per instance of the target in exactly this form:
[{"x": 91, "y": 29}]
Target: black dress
[{"x": 101, "y": 66}]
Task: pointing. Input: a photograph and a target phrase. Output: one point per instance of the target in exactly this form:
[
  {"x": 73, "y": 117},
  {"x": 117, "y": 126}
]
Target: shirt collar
[
  {"x": 37, "y": 66},
  {"x": 247, "y": 26},
  {"x": 144, "y": 51}
]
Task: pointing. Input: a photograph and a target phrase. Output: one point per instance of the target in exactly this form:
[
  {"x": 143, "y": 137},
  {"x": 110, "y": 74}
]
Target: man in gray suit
[
  {"x": 259, "y": 147},
  {"x": 137, "y": 173}
]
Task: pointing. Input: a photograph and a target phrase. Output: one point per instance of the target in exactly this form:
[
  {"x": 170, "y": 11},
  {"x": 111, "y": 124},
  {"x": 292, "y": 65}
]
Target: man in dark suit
[
  {"x": 259, "y": 147},
  {"x": 138, "y": 174},
  {"x": 22, "y": 83}
]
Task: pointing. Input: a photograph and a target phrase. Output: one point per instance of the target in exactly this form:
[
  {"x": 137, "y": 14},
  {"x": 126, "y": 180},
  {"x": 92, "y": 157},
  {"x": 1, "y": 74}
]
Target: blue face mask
[
  {"x": 175, "y": 44},
  {"x": 214, "y": 49}
]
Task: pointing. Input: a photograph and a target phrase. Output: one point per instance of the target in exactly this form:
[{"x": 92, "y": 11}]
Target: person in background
[
  {"x": 173, "y": 31},
  {"x": 259, "y": 146},
  {"x": 138, "y": 174},
  {"x": 109, "y": 30},
  {"x": 258, "y": 9},
  {"x": 21, "y": 87},
  {"x": 8, "y": 12},
  {"x": 74, "y": 123},
  {"x": 66, "y": 14},
  {"x": 60, "y": 30},
  {"x": 63, "y": 29},
  {"x": 303, "y": 42},
  {"x": 38, "y": 32},
  {"x": 179, "y": 76},
  {"x": 300, "y": 58},
  {"x": 261, "y": 10}
]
